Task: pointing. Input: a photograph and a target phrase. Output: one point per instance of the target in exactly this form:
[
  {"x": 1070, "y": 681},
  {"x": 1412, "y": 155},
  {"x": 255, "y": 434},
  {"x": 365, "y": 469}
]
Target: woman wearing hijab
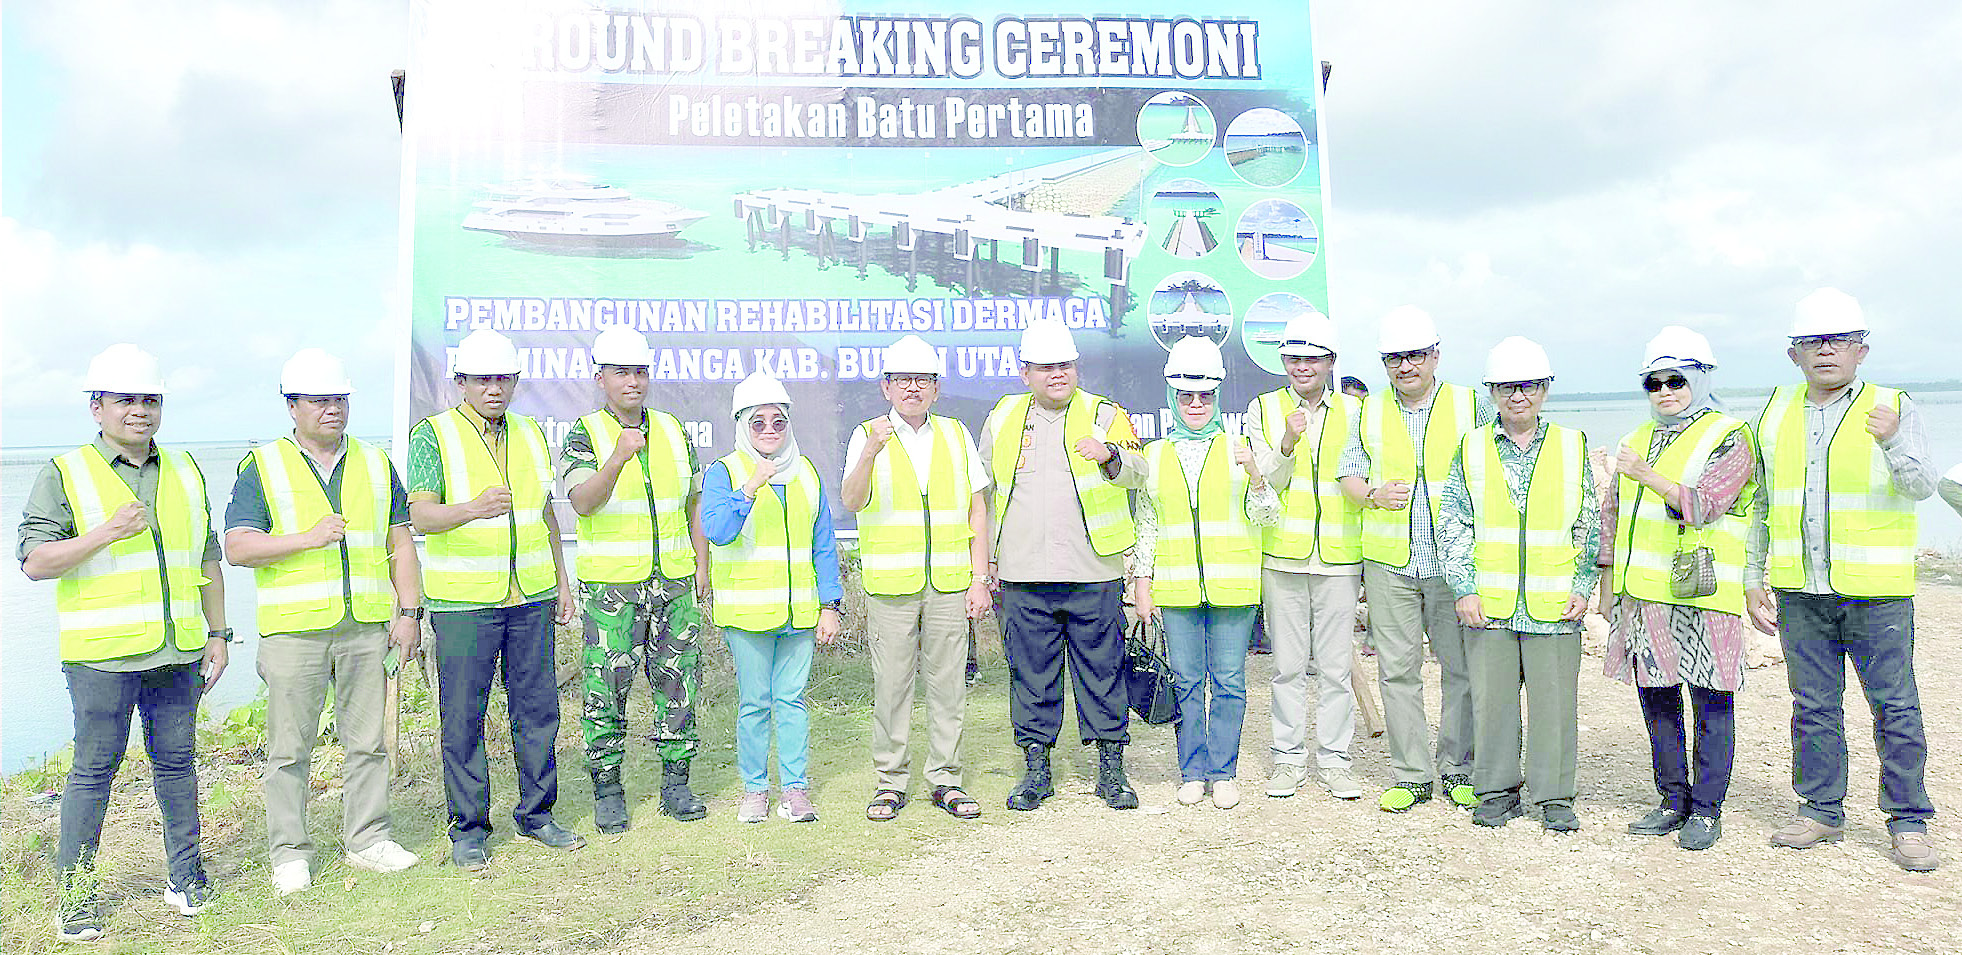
[
  {"x": 775, "y": 590},
  {"x": 1672, "y": 530},
  {"x": 1197, "y": 566}
]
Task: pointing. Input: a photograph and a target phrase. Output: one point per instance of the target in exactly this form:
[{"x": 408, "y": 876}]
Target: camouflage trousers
[{"x": 651, "y": 627}]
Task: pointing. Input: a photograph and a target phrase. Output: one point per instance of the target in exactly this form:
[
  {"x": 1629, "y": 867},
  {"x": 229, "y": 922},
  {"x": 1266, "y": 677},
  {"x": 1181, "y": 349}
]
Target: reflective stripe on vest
[
  {"x": 1105, "y": 506},
  {"x": 1317, "y": 520},
  {"x": 309, "y": 590},
  {"x": 473, "y": 562},
  {"x": 1392, "y": 457},
  {"x": 649, "y": 501},
  {"x": 1870, "y": 529},
  {"x": 1224, "y": 570},
  {"x": 1534, "y": 549},
  {"x": 766, "y": 577},
  {"x": 1647, "y": 539},
  {"x": 902, "y": 532},
  {"x": 114, "y": 604}
]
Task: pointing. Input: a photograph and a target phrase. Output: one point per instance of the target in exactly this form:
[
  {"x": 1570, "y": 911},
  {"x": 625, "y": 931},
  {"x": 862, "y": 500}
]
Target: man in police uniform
[
  {"x": 1061, "y": 460},
  {"x": 1395, "y": 469},
  {"x": 1830, "y": 568},
  {"x": 323, "y": 521},
  {"x": 917, "y": 483},
  {"x": 480, "y": 487},
  {"x": 1312, "y": 570},
  {"x": 630, "y": 474},
  {"x": 125, "y": 528}
]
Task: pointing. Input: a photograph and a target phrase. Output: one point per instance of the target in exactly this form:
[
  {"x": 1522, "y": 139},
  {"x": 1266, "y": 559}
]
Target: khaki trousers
[
  {"x": 1311, "y": 617},
  {"x": 298, "y": 668},
  {"x": 1402, "y": 611},
  {"x": 925, "y": 634},
  {"x": 1548, "y": 667}
]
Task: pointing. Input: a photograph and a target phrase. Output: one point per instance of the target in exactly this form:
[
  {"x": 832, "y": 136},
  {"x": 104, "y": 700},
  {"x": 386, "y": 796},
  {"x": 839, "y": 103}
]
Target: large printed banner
[{"x": 790, "y": 186}]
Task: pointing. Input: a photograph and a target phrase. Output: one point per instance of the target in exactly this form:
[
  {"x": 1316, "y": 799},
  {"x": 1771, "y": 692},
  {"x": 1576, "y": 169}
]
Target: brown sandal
[
  {"x": 885, "y": 804},
  {"x": 957, "y": 804}
]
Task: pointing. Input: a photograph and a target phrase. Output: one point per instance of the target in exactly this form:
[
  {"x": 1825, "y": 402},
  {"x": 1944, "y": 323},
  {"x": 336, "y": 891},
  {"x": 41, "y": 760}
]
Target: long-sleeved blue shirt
[{"x": 725, "y": 510}]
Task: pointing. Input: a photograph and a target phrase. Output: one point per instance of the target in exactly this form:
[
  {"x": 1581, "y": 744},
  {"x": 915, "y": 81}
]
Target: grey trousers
[
  {"x": 924, "y": 634},
  {"x": 1311, "y": 617},
  {"x": 1548, "y": 667},
  {"x": 1402, "y": 610},
  {"x": 297, "y": 668}
]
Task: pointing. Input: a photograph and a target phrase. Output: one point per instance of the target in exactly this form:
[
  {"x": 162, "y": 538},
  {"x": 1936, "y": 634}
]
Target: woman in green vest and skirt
[
  {"x": 774, "y": 578},
  {"x": 1673, "y": 524},
  {"x": 1197, "y": 566}
]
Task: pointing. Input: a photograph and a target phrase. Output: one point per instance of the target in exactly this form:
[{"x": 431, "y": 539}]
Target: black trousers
[
  {"x": 469, "y": 645},
  {"x": 1662, "y": 710},
  {"x": 1042, "y": 622}
]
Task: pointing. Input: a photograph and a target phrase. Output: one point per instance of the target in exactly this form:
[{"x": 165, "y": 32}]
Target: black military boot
[
  {"x": 677, "y": 799},
  {"x": 1112, "y": 787},
  {"x": 1035, "y": 785},
  {"x": 609, "y": 801}
]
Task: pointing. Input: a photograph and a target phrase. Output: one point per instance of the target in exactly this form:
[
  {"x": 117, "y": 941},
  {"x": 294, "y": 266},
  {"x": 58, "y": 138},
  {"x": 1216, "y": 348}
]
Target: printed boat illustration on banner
[{"x": 577, "y": 213}]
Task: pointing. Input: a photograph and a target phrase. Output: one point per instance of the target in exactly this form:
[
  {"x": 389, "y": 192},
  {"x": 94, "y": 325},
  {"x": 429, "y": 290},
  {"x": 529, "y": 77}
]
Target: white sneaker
[
  {"x": 383, "y": 856},
  {"x": 1286, "y": 780},
  {"x": 291, "y": 877},
  {"x": 1226, "y": 793},
  {"x": 1191, "y": 792},
  {"x": 1341, "y": 783}
]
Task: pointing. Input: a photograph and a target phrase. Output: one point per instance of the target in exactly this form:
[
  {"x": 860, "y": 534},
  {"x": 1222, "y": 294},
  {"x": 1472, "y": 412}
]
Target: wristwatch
[
  {"x": 837, "y": 605},
  {"x": 413, "y": 613},
  {"x": 225, "y": 635}
]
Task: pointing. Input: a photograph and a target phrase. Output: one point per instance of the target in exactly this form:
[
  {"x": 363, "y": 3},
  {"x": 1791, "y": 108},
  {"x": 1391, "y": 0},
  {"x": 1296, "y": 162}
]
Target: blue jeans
[
  {"x": 771, "y": 671},
  {"x": 1203, "y": 643},
  {"x": 1819, "y": 633},
  {"x": 167, "y": 698}
]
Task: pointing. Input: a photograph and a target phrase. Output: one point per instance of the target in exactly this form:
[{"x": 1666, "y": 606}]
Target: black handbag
[{"x": 1147, "y": 677}]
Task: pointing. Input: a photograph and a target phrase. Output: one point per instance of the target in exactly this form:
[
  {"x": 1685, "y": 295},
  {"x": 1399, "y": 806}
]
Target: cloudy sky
[{"x": 218, "y": 180}]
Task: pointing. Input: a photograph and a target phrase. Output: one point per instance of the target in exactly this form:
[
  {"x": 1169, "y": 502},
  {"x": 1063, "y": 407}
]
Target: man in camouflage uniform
[{"x": 630, "y": 475}]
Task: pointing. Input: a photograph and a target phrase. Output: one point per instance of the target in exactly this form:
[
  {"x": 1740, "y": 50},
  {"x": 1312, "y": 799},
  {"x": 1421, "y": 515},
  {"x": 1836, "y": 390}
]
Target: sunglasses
[
  {"x": 769, "y": 425},
  {"x": 1673, "y": 382},
  {"x": 1195, "y": 397}
]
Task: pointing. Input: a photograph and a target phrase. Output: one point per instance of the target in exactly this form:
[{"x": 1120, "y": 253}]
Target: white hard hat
[
  {"x": 1517, "y": 359},
  {"x": 620, "y": 345},
  {"x": 758, "y": 389},
  {"x": 1047, "y": 342},
  {"x": 312, "y": 371},
  {"x": 1195, "y": 364},
  {"x": 1828, "y": 311},
  {"x": 1674, "y": 347},
  {"x": 485, "y": 352},
  {"x": 124, "y": 369},
  {"x": 1407, "y": 328},
  {"x": 1308, "y": 335},
  {"x": 911, "y": 356}
]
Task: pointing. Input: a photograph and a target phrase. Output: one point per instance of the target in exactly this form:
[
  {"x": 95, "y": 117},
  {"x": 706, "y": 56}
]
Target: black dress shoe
[
  {"x": 1659, "y": 822},
  {"x": 1699, "y": 833},
  {"x": 554, "y": 835},
  {"x": 469, "y": 856}
]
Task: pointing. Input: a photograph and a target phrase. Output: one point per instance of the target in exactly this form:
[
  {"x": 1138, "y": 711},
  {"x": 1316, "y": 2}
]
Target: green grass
[{"x": 661, "y": 872}]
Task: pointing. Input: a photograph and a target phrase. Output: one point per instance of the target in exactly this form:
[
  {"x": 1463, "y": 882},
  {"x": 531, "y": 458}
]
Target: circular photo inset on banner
[
  {"x": 1276, "y": 239},
  {"x": 1176, "y": 128},
  {"x": 1187, "y": 304},
  {"x": 1183, "y": 218},
  {"x": 1260, "y": 331},
  {"x": 1266, "y": 147}
]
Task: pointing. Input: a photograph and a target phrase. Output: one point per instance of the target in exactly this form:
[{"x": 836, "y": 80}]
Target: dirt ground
[{"x": 1314, "y": 874}]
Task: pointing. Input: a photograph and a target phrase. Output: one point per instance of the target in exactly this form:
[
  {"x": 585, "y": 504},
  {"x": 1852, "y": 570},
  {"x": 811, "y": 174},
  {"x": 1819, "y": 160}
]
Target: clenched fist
[
  {"x": 1393, "y": 495},
  {"x": 129, "y": 520},
  {"x": 877, "y": 434},
  {"x": 1883, "y": 422},
  {"x": 765, "y": 470},
  {"x": 331, "y": 529},
  {"x": 1093, "y": 451},
  {"x": 632, "y": 441},
  {"x": 493, "y": 502}
]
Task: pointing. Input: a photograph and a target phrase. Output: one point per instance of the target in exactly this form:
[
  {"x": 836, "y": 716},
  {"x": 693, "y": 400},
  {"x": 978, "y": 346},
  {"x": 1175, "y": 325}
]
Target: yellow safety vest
[
  {"x": 309, "y": 590},
  {"x": 1317, "y": 519},
  {"x": 1392, "y": 457},
  {"x": 907, "y": 536},
  {"x": 1105, "y": 506},
  {"x": 125, "y": 599},
  {"x": 473, "y": 562},
  {"x": 1870, "y": 529},
  {"x": 1223, "y": 570},
  {"x": 1647, "y": 539},
  {"x": 766, "y": 577},
  {"x": 649, "y": 502},
  {"x": 1534, "y": 549}
]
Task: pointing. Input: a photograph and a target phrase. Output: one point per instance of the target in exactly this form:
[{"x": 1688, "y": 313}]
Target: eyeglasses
[
  {"x": 769, "y": 425},
  {"x": 912, "y": 382},
  {"x": 1673, "y": 382},
  {"x": 1196, "y": 397},
  {"x": 1407, "y": 357},
  {"x": 1310, "y": 359},
  {"x": 1509, "y": 388},
  {"x": 1838, "y": 342}
]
